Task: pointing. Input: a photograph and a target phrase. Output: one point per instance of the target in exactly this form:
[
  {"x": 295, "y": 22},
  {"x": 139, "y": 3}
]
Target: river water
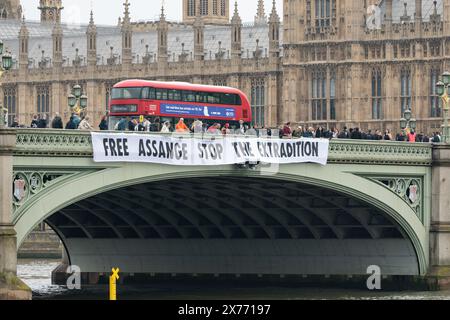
[{"x": 37, "y": 275}]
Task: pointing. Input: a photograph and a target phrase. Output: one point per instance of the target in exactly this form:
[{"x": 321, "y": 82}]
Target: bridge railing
[{"x": 74, "y": 143}]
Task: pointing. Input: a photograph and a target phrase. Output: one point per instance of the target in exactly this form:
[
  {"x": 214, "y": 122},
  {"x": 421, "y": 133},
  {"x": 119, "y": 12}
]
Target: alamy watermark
[
  {"x": 374, "y": 280},
  {"x": 74, "y": 280}
]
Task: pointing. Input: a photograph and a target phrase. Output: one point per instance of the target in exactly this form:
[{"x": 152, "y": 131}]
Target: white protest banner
[{"x": 215, "y": 150}]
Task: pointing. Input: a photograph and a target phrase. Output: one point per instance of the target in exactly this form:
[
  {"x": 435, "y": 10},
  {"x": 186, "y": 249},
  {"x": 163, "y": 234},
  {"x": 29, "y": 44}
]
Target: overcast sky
[{"x": 107, "y": 11}]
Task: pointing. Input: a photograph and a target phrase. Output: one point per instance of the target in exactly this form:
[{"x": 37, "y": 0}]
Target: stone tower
[
  {"x": 236, "y": 34},
  {"x": 50, "y": 10},
  {"x": 91, "y": 37},
  {"x": 163, "y": 31},
  {"x": 211, "y": 11},
  {"x": 127, "y": 36},
  {"x": 260, "y": 18},
  {"x": 10, "y": 9}
]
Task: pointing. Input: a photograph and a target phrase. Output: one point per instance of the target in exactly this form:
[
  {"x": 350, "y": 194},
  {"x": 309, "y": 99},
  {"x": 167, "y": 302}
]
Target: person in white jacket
[
  {"x": 85, "y": 125},
  {"x": 166, "y": 127}
]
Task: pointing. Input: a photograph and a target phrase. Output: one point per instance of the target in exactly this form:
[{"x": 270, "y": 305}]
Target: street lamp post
[
  {"x": 77, "y": 100},
  {"x": 442, "y": 90},
  {"x": 408, "y": 123},
  {"x": 6, "y": 64}
]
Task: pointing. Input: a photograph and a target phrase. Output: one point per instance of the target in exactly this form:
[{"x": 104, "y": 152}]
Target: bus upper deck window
[
  {"x": 174, "y": 95},
  {"x": 145, "y": 93},
  {"x": 188, "y": 96},
  {"x": 161, "y": 94},
  {"x": 152, "y": 93}
]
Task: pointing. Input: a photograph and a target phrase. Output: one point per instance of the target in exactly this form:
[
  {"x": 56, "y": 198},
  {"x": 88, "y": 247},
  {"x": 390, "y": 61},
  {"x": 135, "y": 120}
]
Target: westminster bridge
[{"x": 374, "y": 203}]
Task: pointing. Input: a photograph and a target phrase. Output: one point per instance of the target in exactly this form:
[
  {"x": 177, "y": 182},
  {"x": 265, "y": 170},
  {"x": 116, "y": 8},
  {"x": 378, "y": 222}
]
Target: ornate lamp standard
[
  {"x": 77, "y": 100},
  {"x": 442, "y": 88},
  {"x": 5, "y": 66},
  {"x": 407, "y": 123}
]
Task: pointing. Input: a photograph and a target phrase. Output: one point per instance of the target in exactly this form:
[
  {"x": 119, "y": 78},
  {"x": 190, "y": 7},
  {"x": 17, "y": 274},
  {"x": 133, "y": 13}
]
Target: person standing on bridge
[
  {"x": 57, "y": 122},
  {"x": 76, "y": 120},
  {"x": 85, "y": 125},
  {"x": 181, "y": 126},
  {"x": 412, "y": 136},
  {"x": 226, "y": 129},
  {"x": 197, "y": 126},
  {"x": 166, "y": 127},
  {"x": 70, "y": 125},
  {"x": 42, "y": 123},
  {"x": 34, "y": 122},
  {"x": 103, "y": 123},
  {"x": 287, "y": 131}
]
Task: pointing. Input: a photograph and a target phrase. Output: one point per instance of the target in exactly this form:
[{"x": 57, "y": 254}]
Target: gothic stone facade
[
  {"x": 361, "y": 63},
  {"x": 331, "y": 63}
]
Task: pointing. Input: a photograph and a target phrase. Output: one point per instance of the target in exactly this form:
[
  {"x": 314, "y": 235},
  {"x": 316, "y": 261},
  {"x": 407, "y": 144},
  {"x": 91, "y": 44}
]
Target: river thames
[{"x": 37, "y": 275}]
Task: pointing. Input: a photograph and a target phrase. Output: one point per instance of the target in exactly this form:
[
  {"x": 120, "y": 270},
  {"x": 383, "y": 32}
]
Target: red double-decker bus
[{"x": 170, "y": 101}]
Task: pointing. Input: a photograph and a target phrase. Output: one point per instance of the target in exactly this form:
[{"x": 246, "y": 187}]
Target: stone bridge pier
[
  {"x": 440, "y": 216},
  {"x": 11, "y": 287}
]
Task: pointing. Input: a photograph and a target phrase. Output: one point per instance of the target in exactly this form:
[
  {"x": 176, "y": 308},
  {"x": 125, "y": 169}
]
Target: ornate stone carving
[
  {"x": 28, "y": 184},
  {"x": 408, "y": 189}
]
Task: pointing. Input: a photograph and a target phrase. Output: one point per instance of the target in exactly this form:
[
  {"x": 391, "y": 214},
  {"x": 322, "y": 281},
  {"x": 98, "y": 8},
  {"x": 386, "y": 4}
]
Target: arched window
[
  {"x": 376, "y": 94},
  {"x": 191, "y": 8},
  {"x": 324, "y": 10},
  {"x": 319, "y": 96},
  {"x": 223, "y": 6},
  {"x": 215, "y": 7},
  {"x": 43, "y": 100},
  {"x": 258, "y": 101},
  {"x": 9, "y": 101},
  {"x": 333, "y": 96},
  {"x": 204, "y": 7},
  {"x": 435, "y": 106},
  {"x": 405, "y": 99}
]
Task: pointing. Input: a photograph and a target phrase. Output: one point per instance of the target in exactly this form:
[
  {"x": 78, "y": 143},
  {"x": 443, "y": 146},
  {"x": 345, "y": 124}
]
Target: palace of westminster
[{"x": 355, "y": 63}]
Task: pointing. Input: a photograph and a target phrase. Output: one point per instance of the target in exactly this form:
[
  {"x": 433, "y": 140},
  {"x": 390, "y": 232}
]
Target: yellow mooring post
[{"x": 112, "y": 284}]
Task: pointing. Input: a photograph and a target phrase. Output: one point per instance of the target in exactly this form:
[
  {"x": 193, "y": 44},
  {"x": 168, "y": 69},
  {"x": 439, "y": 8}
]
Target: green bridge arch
[{"x": 85, "y": 185}]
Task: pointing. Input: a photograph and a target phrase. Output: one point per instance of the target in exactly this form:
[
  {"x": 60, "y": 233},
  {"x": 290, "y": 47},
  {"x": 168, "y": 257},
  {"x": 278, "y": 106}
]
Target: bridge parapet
[{"x": 58, "y": 143}]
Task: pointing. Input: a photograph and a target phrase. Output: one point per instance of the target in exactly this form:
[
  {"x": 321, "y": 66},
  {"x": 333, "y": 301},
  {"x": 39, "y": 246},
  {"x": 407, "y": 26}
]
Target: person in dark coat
[
  {"x": 71, "y": 124},
  {"x": 57, "y": 122},
  {"x": 34, "y": 122},
  {"x": 42, "y": 123},
  {"x": 103, "y": 123},
  {"x": 122, "y": 125}
]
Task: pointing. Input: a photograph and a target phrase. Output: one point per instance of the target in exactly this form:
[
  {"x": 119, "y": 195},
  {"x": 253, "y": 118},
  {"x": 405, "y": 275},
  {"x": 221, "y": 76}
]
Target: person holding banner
[
  {"x": 166, "y": 127},
  {"x": 85, "y": 125},
  {"x": 197, "y": 126},
  {"x": 214, "y": 129},
  {"x": 226, "y": 129},
  {"x": 181, "y": 126},
  {"x": 287, "y": 131}
]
